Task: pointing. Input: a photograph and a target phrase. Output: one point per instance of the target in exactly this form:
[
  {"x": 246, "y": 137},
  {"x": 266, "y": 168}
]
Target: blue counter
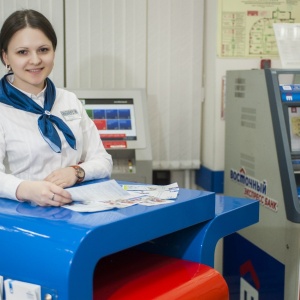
[{"x": 58, "y": 248}]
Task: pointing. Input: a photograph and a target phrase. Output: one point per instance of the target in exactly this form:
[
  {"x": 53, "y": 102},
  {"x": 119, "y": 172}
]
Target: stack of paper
[
  {"x": 109, "y": 194},
  {"x": 163, "y": 192}
]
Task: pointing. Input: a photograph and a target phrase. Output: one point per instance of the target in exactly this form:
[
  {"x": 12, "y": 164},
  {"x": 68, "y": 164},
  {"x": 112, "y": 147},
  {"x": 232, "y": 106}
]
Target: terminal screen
[
  {"x": 294, "y": 124},
  {"x": 114, "y": 118},
  {"x": 289, "y": 85}
]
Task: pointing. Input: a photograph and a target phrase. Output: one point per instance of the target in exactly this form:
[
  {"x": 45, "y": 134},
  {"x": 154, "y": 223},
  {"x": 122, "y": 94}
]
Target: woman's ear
[
  {"x": 6, "y": 61},
  {"x": 4, "y": 57}
]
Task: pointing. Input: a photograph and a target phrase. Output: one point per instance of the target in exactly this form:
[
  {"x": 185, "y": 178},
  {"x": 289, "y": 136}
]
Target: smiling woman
[
  {"x": 30, "y": 55},
  {"x": 40, "y": 149}
]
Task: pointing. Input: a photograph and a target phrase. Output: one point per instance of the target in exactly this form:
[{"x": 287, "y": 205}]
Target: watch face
[{"x": 80, "y": 172}]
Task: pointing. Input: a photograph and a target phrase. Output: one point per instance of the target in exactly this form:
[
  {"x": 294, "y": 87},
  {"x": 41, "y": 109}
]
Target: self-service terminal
[
  {"x": 121, "y": 118},
  {"x": 262, "y": 161}
]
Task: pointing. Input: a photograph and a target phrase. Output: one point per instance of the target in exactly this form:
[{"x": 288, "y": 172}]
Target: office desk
[{"x": 59, "y": 249}]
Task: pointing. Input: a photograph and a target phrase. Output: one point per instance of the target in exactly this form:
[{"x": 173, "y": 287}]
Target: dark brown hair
[{"x": 21, "y": 19}]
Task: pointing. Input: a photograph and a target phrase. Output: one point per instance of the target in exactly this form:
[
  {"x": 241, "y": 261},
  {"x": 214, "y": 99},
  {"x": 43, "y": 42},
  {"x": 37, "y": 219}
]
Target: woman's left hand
[{"x": 64, "y": 177}]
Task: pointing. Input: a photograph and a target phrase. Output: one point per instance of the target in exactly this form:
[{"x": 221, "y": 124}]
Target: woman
[{"x": 47, "y": 140}]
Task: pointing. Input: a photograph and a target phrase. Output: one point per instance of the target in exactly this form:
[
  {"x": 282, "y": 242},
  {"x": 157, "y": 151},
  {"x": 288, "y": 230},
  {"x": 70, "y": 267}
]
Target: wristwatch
[{"x": 79, "y": 173}]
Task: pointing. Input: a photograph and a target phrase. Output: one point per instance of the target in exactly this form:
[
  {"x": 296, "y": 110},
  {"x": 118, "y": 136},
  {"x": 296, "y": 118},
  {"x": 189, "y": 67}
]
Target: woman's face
[{"x": 30, "y": 55}]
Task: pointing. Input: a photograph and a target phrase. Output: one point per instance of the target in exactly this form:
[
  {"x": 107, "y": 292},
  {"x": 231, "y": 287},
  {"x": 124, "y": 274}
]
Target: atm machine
[
  {"x": 121, "y": 118},
  {"x": 262, "y": 162}
]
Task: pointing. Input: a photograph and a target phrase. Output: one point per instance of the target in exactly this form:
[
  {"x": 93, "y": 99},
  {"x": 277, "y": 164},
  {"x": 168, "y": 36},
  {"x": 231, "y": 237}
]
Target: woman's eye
[
  {"x": 22, "y": 52},
  {"x": 43, "y": 50}
]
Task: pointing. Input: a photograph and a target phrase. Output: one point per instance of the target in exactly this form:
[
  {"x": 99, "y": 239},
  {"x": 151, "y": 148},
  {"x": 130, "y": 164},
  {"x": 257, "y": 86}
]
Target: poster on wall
[
  {"x": 245, "y": 28},
  {"x": 288, "y": 43}
]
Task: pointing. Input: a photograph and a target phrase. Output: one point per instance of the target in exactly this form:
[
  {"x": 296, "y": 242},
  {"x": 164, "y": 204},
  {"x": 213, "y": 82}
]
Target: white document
[
  {"x": 99, "y": 192},
  {"x": 1, "y": 287},
  {"x": 151, "y": 201},
  {"x": 17, "y": 290},
  {"x": 98, "y": 197},
  {"x": 158, "y": 191},
  {"x": 109, "y": 194}
]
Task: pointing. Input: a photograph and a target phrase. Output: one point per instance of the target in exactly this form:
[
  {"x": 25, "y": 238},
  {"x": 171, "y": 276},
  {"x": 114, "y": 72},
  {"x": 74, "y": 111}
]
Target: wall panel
[
  {"x": 175, "y": 33},
  {"x": 106, "y": 43}
]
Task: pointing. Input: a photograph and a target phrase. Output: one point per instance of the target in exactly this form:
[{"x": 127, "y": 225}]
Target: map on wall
[{"x": 245, "y": 28}]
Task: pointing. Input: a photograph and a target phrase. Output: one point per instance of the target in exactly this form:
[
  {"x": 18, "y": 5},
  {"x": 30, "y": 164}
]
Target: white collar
[{"x": 40, "y": 95}]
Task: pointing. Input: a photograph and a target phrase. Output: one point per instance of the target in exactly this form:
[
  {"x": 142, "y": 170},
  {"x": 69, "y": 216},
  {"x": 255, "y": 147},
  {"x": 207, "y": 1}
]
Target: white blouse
[{"x": 25, "y": 155}]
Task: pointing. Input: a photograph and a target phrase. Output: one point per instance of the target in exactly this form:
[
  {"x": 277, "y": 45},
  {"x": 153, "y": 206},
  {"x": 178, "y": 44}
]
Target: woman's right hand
[{"x": 43, "y": 193}]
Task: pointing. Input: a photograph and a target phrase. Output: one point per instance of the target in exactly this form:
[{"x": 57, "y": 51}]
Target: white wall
[
  {"x": 213, "y": 126},
  {"x": 106, "y": 44}
]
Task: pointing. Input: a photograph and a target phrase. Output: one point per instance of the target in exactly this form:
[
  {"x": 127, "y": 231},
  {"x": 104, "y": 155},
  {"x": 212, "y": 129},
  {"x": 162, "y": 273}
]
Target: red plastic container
[{"x": 137, "y": 275}]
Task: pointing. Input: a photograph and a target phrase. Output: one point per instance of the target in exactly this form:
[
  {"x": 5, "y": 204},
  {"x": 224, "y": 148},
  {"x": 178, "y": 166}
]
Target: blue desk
[{"x": 59, "y": 249}]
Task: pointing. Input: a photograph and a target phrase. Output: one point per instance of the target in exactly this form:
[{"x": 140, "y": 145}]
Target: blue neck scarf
[{"x": 13, "y": 97}]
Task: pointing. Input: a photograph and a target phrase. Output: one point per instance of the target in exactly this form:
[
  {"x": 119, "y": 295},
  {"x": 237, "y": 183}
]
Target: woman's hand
[
  {"x": 43, "y": 193},
  {"x": 64, "y": 177}
]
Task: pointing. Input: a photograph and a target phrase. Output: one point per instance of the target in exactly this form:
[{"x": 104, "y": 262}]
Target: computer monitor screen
[
  {"x": 114, "y": 118},
  {"x": 119, "y": 116}
]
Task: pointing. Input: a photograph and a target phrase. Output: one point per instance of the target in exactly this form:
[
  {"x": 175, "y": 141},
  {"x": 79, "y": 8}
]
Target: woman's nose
[{"x": 35, "y": 59}]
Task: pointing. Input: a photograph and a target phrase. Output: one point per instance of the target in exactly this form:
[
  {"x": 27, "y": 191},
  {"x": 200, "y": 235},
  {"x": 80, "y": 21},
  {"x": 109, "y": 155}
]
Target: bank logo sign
[{"x": 254, "y": 188}]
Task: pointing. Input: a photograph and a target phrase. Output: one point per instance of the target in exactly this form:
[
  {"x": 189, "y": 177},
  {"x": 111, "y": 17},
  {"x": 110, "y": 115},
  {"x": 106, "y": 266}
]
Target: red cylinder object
[{"x": 137, "y": 275}]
